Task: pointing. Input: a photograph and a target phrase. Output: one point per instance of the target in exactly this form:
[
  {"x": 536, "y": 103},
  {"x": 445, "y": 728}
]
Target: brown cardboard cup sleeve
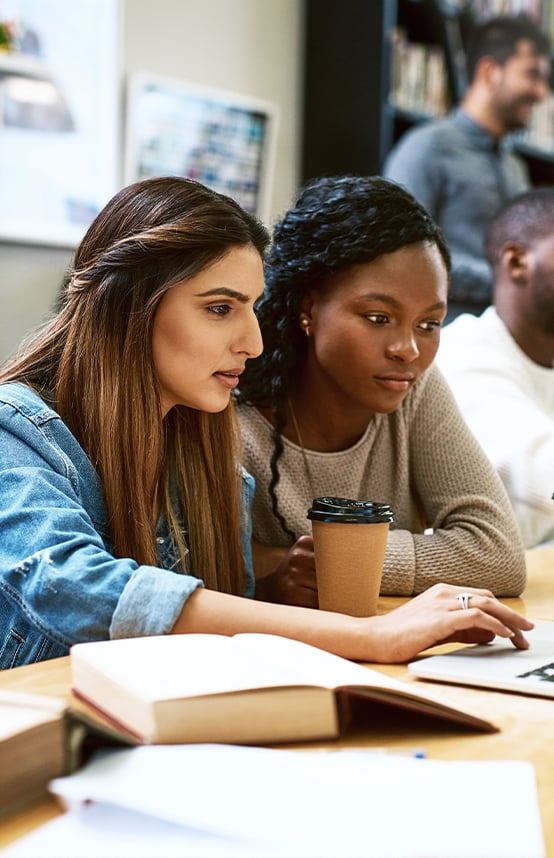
[{"x": 350, "y": 538}]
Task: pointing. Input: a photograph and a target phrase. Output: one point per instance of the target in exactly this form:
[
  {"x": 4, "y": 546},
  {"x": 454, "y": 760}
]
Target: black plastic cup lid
[{"x": 349, "y": 511}]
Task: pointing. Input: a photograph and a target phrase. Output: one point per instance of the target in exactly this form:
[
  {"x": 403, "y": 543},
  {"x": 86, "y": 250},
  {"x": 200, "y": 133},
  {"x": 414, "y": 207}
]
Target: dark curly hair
[
  {"x": 525, "y": 219},
  {"x": 336, "y": 222}
]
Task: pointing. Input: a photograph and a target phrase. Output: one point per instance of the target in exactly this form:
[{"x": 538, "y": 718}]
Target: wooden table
[{"x": 527, "y": 723}]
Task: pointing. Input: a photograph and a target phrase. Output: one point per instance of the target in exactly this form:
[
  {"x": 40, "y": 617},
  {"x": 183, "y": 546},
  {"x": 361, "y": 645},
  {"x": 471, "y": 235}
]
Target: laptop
[{"x": 497, "y": 665}]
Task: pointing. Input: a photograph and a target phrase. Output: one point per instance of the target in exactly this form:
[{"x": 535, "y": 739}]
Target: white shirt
[{"x": 508, "y": 401}]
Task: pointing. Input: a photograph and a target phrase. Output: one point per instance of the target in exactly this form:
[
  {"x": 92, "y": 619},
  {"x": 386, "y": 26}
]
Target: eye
[
  {"x": 377, "y": 318},
  {"x": 430, "y": 326},
  {"x": 219, "y": 309}
]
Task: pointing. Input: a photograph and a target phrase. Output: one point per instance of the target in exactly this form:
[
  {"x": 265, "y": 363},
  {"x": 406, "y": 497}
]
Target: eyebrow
[
  {"x": 224, "y": 290},
  {"x": 377, "y": 296},
  {"x": 388, "y": 299}
]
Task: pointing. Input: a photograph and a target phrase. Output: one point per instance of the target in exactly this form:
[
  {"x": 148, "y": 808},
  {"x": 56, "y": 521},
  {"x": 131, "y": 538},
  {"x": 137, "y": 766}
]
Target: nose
[
  {"x": 250, "y": 342},
  {"x": 404, "y": 347}
]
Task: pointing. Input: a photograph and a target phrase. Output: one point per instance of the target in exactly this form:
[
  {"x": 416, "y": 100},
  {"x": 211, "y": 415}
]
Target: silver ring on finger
[{"x": 463, "y": 599}]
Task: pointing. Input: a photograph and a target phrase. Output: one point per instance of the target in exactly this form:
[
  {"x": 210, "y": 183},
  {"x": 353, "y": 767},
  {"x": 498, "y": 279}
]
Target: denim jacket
[{"x": 60, "y": 583}]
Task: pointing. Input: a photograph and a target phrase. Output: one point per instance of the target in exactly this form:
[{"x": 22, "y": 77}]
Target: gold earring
[{"x": 305, "y": 324}]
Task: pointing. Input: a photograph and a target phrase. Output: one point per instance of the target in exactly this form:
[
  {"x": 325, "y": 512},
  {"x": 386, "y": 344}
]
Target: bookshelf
[{"x": 374, "y": 68}]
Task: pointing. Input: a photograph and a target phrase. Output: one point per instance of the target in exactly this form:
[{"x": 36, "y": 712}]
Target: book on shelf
[
  {"x": 243, "y": 689},
  {"x": 418, "y": 76}
]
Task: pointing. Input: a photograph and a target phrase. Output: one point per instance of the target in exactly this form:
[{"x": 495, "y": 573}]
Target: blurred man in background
[
  {"x": 500, "y": 365},
  {"x": 460, "y": 167}
]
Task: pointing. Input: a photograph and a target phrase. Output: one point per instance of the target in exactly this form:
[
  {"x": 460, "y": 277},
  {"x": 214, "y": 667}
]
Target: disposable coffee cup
[{"x": 350, "y": 539}]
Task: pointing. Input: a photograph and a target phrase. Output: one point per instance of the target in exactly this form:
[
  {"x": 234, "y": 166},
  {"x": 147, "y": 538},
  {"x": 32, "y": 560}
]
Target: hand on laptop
[{"x": 438, "y": 616}]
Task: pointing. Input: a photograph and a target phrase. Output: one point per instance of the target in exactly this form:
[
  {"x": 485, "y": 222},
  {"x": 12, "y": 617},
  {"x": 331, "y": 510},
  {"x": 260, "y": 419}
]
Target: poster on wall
[
  {"x": 59, "y": 117},
  {"x": 223, "y": 139}
]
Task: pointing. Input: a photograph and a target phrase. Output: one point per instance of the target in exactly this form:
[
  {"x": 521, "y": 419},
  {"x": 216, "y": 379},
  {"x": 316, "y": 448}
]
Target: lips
[
  {"x": 229, "y": 377},
  {"x": 396, "y": 382}
]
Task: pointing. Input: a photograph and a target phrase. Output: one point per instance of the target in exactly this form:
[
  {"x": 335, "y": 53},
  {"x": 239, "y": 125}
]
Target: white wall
[{"x": 246, "y": 46}]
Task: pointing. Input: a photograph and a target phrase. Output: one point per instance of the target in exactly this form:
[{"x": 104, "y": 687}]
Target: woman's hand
[
  {"x": 436, "y": 616},
  {"x": 293, "y": 582}
]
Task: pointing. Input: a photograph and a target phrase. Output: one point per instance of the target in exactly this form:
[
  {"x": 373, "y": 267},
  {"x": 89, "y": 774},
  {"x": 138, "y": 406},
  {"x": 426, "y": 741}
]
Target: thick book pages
[
  {"x": 32, "y": 748},
  {"x": 245, "y": 689}
]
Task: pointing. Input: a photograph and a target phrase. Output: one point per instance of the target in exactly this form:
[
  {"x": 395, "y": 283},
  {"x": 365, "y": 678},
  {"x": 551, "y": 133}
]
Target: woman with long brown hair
[{"x": 123, "y": 508}]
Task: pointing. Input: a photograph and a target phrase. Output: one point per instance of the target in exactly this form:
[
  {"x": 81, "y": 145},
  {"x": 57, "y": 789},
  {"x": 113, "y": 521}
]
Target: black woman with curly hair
[
  {"x": 123, "y": 509},
  {"x": 345, "y": 399}
]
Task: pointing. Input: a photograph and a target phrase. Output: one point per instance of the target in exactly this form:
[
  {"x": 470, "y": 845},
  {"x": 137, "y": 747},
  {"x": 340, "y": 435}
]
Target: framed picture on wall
[
  {"x": 59, "y": 117},
  {"x": 224, "y": 140}
]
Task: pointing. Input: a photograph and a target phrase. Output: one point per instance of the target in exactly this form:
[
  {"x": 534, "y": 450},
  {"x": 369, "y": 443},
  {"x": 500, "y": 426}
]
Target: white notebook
[
  {"x": 497, "y": 665},
  {"x": 224, "y": 801}
]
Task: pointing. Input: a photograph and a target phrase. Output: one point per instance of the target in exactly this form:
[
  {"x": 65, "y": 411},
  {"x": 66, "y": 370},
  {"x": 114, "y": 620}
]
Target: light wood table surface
[{"x": 526, "y": 723}]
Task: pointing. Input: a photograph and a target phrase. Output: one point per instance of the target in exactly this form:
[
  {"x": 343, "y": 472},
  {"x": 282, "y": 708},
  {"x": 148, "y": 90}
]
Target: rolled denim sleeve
[
  {"x": 151, "y": 602},
  {"x": 59, "y": 575},
  {"x": 60, "y": 582}
]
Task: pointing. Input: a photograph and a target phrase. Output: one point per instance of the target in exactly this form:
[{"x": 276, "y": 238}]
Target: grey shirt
[{"x": 462, "y": 176}]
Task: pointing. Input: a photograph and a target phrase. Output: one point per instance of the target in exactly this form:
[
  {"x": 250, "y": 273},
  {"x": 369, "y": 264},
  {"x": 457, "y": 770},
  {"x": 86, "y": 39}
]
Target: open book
[{"x": 245, "y": 689}]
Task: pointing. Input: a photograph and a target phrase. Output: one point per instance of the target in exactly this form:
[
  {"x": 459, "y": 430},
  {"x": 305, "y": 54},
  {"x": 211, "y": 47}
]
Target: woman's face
[
  {"x": 375, "y": 329},
  {"x": 205, "y": 330}
]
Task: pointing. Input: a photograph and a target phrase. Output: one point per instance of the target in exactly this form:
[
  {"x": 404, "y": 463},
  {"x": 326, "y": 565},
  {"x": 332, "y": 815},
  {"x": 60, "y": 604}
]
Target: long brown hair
[{"x": 93, "y": 363}]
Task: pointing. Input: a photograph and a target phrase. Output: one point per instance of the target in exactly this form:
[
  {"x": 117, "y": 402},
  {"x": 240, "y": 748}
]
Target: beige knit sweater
[{"x": 423, "y": 461}]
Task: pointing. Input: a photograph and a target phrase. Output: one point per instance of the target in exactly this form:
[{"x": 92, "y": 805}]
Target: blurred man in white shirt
[{"x": 500, "y": 364}]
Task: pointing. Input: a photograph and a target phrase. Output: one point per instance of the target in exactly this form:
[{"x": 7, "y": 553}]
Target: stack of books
[{"x": 32, "y": 748}]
